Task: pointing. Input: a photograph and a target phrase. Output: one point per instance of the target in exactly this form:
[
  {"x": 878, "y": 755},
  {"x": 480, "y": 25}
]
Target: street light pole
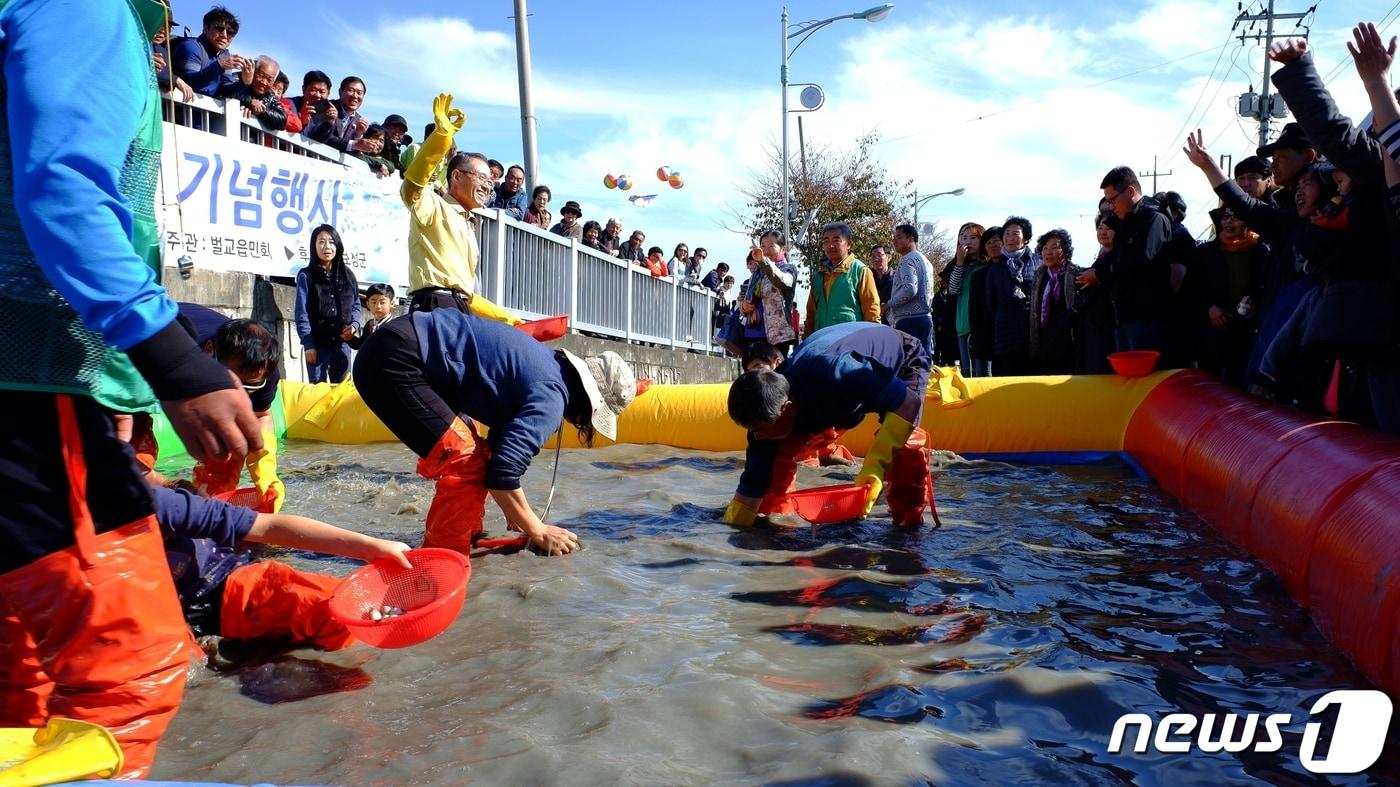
[
  {"x": 787, "y": 202},
  {"x": 919, "y": 201},
  {"x": 806, "y": 29}
]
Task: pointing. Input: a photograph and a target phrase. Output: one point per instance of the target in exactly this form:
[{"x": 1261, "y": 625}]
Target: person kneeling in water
[
  {"x": 417, "y": 373},
  {"x": 224, "y": 592},
  {"x": 828, "y": 385}
]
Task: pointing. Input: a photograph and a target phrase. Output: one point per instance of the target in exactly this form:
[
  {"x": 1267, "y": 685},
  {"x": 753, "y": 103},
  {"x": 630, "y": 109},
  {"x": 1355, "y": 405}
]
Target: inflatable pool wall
[{"x": 1318, "y": 501}]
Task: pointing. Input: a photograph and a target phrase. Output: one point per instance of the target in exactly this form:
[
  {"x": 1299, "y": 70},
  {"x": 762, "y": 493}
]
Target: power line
[
  {"x": 1234, "y": 59},
  {"x": 1386, "y": 21},
  {"x": 1204, "y": 87}
]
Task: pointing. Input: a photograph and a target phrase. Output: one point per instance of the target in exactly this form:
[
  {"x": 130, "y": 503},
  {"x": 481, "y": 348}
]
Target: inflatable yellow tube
[{"x": 976, "y": 416}]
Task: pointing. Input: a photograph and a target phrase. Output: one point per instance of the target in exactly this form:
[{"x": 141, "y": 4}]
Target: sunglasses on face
[{"x": 222, "y": 28}]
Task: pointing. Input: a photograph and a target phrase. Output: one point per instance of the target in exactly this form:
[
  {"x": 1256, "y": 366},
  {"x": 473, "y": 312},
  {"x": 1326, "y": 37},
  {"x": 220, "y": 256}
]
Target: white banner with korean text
[{"x": 238, "y": 206}]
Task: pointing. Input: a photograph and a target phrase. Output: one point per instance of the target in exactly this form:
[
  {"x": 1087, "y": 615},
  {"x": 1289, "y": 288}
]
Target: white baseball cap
[{"x": 611, "y": 386}]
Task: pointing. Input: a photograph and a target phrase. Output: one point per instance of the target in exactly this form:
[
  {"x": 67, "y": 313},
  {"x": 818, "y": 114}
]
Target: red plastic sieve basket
[
  {"x": 546, "y": 329},
  {"x": 1134, "y": 363},
  {"x": 825, "y": 504},
  {"x": 431, "y": 594},
  {"x": 248, "y": 497}
]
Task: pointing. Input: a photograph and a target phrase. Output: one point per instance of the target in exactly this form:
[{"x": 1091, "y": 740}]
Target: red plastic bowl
[
  {"x": 431, "y": 594},
  {"x": 546, "y": 329},
  {"x": 1134, "y": 363},
  {"x": 248, "y": 497},
  {"x": 825, "y": 504}
]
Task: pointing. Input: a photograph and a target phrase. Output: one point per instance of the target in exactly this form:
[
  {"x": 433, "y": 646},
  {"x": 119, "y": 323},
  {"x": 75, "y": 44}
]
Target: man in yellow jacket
[{"x": 442, "y": 247}]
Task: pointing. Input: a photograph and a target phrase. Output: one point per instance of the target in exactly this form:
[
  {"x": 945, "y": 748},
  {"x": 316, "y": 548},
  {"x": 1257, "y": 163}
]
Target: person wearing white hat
[{"x": 431, "y": 376}]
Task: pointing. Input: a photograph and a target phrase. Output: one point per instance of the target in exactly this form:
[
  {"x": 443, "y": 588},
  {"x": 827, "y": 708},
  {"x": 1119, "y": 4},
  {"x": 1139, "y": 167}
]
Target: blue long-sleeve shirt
[
  {"x": 499, "y": 376},
  {"x": 197, "y": 63},
  {"x": 838, "y": 376},
  {"x": 70, "y": 128},
  {"x": 201, "y": 540}
]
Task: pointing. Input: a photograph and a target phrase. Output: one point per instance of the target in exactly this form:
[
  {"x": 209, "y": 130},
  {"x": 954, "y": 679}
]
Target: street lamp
[
  {"x": 921, "y": 200},
  {"x": 805, "y": 31}
]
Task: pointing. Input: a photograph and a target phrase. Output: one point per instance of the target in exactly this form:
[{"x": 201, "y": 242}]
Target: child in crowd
[
  {"x": 224, "y": 592},
  {"x": 379, "y": 302},
  {"x": 761, "y": 355}
]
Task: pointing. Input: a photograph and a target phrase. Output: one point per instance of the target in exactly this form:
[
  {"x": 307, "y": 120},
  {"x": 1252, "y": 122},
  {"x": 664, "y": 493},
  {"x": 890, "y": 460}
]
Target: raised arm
[
  {"x": 1373, "y": 58},
  {"x": 1332, "y": 133}
]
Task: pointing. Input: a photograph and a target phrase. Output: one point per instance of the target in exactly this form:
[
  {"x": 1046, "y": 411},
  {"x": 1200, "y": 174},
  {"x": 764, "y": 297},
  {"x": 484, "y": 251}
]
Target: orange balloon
[
  {"x": 610, "y": 181},
  {"x": 663, "y": 174},
  {"x": 676, "y": 180}
]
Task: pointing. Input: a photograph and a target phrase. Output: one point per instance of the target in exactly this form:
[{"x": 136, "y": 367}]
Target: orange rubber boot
[
  {"x": 271, "y": 600},
  {"x": 910, "y": 484},
  {"x": 458, "y": 464}
]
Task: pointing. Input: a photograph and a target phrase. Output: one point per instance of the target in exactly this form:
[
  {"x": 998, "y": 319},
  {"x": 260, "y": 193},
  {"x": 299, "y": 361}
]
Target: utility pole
[
  {"x": 1265, "y": 108},
  {"x": 1153, "y": 174},
  {"x": 527, "y": 105}
]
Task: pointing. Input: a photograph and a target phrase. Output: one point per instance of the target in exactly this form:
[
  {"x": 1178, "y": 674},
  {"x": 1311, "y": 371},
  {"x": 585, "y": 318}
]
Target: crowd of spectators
[
  {"x": 1289, "y": 298},
  {"x": 205, "y": 64}
]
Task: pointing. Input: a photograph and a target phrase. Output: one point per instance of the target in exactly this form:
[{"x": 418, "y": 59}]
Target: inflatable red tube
[{"x": 1314, "y": 500}]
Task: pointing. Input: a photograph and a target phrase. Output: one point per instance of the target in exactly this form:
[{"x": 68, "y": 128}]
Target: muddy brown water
[{"x": 675, "y": 650}]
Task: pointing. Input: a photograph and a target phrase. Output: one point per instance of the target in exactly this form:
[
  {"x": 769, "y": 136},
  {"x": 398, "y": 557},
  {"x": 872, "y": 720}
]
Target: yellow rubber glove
[
  {"x": 262, "y": 469},
  {"x": 738, "y": 513},
  {"x": 893, "y": 434},
  {"x": 484, "y": 308},
  {"x": 449, "y": 121}
]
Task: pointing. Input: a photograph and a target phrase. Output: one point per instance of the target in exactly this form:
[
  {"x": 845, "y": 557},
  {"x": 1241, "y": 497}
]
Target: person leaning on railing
[{"x": 442, "y": 249}]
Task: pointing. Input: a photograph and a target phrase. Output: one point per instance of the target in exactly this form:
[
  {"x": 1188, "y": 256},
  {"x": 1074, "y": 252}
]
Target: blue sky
[{"x": 1010, "y": 100}]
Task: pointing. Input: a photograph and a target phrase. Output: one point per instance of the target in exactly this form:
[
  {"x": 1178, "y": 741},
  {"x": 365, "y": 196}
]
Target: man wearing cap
[
  {"x": 442, "y": 248},
  {"x": 834, "y": 378},
  {"x": 394, "y": 128},
  {"x": 568, "y": 225},
  {"x": 433, "y": 375}
]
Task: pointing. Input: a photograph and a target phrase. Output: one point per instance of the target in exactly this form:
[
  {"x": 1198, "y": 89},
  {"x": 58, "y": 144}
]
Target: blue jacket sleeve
[
  {"x": 517, "y": 442},
  {"x": 182, "y": 513},
  {"x": 758, "y": 467},
  {"x": 299, "y": 313},
  {"x": 70, "y": 128},
  {"x": 355, "y": 301},
  {"x": 202, "y": 73}
]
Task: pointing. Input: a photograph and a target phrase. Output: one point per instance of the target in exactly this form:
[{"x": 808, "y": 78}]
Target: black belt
[{"x": 443, "y": 290}]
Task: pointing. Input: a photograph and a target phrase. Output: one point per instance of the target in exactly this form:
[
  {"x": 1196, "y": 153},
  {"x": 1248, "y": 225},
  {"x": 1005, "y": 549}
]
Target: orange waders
[
  {"x": 94, "y": 632},
  {"x": 458, "y": 464},
  {"x": 271, "y": 600}
]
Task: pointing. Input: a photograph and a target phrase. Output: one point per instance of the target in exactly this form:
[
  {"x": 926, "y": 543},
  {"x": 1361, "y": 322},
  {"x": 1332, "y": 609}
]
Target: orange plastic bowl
[
  {"x": 1134, "y": 363},
  {"x": 431, "y": 594},
  {"x": 546, "y": 329},
  {"x": 248, "y": 497},
  {"x": 824, "y": 504}
]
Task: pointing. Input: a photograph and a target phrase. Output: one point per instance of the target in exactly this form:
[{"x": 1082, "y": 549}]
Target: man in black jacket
[{"x": 1135, "y": 272}]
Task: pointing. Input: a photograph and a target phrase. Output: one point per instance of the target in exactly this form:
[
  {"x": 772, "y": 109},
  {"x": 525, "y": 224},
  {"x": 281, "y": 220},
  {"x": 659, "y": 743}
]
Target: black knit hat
[{"x": 1253, "y": 165}]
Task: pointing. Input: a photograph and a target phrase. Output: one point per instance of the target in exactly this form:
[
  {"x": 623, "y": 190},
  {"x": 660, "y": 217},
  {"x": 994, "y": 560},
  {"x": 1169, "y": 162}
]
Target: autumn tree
[{"x": 834, "y": 185}]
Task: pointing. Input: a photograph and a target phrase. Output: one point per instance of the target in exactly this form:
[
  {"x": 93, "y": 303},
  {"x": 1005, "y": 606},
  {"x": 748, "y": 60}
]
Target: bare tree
[{"x": 831, "y": 185}]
